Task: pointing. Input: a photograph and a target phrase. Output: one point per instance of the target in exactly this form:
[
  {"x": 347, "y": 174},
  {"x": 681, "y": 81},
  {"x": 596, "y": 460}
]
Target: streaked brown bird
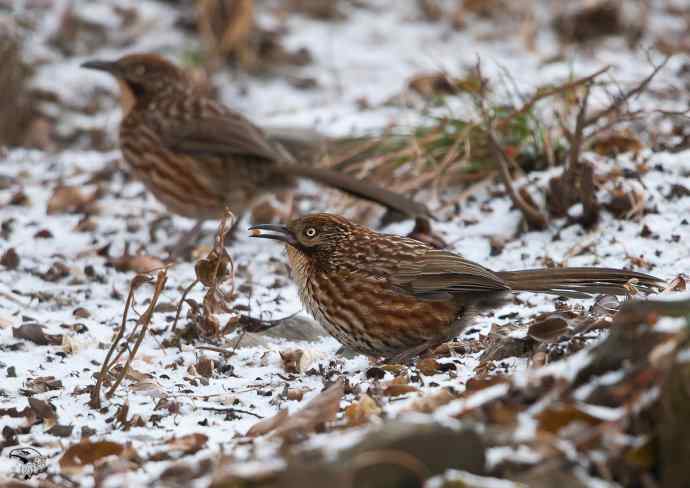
[
  {"x": 392, "y": 296},
  {"x": 197, "y": 156}
]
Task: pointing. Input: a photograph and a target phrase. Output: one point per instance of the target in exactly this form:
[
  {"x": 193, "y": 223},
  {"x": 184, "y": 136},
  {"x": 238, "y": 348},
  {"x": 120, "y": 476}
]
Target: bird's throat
[{"x": 127, "y": 97}]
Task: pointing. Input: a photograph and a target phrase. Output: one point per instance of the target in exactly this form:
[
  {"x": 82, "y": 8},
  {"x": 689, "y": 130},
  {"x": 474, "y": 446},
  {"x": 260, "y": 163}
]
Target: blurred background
[{"x": 342, "y": 67}]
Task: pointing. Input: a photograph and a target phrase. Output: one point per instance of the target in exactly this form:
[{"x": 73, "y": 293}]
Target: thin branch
[
  {"x": 95, "y": 401},
  {"x": 181, "y": 302},
  {"x": 642, "y": 86},
  {"x": 576, "y": 143},
  {"x": 231, "y": 410},
  {"x": 145, "y": 320},
  {"x": 533, "y": 217},
  {"x": 549, "y": 93}
]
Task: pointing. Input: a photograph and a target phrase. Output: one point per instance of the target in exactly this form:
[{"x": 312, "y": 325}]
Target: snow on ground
[{"x": 371, "y": 55}]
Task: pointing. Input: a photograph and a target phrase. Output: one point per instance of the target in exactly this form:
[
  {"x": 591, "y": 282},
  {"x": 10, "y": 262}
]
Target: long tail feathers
[
  {"x": 360, "y": 189},
  {"x": 580, "y": 282}
]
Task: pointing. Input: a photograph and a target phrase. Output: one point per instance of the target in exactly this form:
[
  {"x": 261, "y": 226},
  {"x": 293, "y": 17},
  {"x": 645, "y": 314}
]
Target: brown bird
[
  {"x": 198, "y": 157},
  {"x": 392, "y": 296}
]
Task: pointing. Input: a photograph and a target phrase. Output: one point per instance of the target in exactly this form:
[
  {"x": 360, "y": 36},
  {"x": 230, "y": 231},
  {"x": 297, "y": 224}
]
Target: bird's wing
[
  {"x": 441, "y": 275},
  {"x": 225, "y": 134}
]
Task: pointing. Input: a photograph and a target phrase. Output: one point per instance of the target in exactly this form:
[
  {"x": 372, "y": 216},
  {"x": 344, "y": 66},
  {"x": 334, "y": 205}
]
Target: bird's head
[
  {"x": 142, "y": 76},
  {"x": 319, "y": 238}
]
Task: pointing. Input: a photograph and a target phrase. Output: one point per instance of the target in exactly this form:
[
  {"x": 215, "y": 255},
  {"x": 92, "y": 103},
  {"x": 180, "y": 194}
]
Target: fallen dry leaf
[
  {"x": 205, "y": 366},
  {"x": 138, "y": 264},
  {"x": 188, "y": 444},
  {"x": 428, "y": 366},
  {"x": 267, "y": 425},
  {"x": 397, "y": 390},
  {"x": 86, "y": 452},
  {"x": 70, "y": 199},
  {"x": 555, "y": 418},
  {"x": 361, "y": 411},
  {"x": 36, "y": 334},
  {"x": 549, "y": 328},
  {"x": 42, "y": 409},
  {"x": 318, "y": 411},
  {"x": 429, "y": 403}
]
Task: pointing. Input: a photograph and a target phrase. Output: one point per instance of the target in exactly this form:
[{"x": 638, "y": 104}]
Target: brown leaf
[
  {"x": 399, "y": 389},
  {"x": 225, "y": 25},
  {"x": 81, "y": 313},
  {"x": 291, "y": 360},
  {"x": 188, "y": 444},
  {"x": 36, "y": 334},
  {"x": 138, "y": 264},
  {"x": 318, "y": 411},
  {"x": 429, "y": 84},
  {"x": 476, "y": 384},
  {"x": 61, "y": 430},
  {"x": 295, "y": 394},
  {"x": 57, "y": 271},
  {"x": 428, "y": 366},
  {"x": 42, "y": 409},
  {"x": 69, "y": 199},
  {"x": 267, "y": 425},
  {"x": 555, "y": 418},
  {"x": 205, "y": 367},
  {"x": 86, "y": 452},
  {"x": 10, "y": 259},
  {"x": 41, "y": 384},
  {"x": 549, "y": 328},
  {"x": 359, "y": 412},
  {"x": 214, "y": 269},
  {"x": 429, "y": 403},
  {"x": 616, "y": 143}
]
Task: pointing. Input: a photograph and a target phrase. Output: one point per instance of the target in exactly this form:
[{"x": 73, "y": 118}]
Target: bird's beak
[
  {"x": 107, "y": 66},
  {"x": 271, "y": 231}
]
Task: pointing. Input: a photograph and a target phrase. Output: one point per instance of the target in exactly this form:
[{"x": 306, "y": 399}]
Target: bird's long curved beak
[
  {"x": 107, "y": 66},
  {"x": 276, "y": 232}
]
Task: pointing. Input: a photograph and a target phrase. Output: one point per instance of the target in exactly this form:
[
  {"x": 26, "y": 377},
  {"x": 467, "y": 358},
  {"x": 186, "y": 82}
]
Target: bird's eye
[
  {"x": 140, "y": 70},
  {"x": 310, "y": 232}
]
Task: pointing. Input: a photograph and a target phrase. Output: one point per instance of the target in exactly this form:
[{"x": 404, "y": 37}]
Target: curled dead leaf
[
  {"x": 86, "y": 452},
  {"x": 291, "y": 360},
  {"x": 213, "y": 270},
  {"x": 361, "y": 411}
]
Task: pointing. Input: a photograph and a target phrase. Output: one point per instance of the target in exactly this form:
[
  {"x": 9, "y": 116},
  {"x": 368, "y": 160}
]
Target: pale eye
[
  {"x": 310, "y": 232},
  {"x": 140, "y": 70}
]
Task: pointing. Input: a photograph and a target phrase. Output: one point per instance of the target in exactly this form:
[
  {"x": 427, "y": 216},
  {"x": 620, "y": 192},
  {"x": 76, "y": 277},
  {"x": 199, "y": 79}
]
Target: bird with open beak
[{"x": 392, "y": 296}]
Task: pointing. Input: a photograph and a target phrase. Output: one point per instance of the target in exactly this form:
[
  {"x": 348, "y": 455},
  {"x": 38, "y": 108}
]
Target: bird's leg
[
  {"x": 186, "y": 240},
  {"x": 407, "y": 355}
]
